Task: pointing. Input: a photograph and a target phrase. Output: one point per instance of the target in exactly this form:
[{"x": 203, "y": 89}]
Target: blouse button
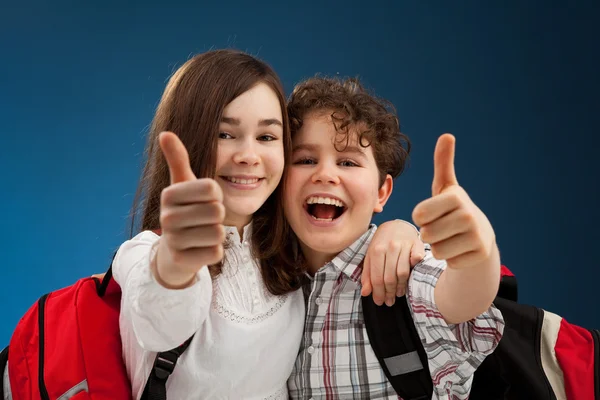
[{"x": 310, "y": 349}]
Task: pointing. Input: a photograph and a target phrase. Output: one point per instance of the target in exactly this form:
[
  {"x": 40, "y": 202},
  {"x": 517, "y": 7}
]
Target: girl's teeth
[
  {"x": 243, "y": 181},
  {"x": 322, "y": 219}
]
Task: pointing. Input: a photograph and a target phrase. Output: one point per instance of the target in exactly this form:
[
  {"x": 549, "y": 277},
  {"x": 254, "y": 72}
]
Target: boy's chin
[{"x": 325, "y": 243}]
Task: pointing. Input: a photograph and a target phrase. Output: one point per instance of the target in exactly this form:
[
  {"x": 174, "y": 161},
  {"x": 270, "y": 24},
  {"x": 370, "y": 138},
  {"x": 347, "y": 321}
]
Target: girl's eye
[
  {"x": 224, "y": 135},
  {"x": 267, "y": 138}
]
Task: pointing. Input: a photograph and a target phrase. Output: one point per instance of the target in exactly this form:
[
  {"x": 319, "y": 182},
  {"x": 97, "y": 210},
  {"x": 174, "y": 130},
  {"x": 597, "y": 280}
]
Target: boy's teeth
[
  {"x": 243, "y": 181},
  {"x": 324, "y": 200},
  {"x": 322, "y": 219}
]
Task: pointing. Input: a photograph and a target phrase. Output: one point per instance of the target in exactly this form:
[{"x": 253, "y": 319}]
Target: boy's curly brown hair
[{"x": 350, "y": 105}]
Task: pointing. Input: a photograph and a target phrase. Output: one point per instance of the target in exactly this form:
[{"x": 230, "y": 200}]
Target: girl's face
[{"x": 250, "y": 156}]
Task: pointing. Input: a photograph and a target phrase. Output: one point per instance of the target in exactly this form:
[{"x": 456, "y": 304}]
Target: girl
[{"x": 244, "y": 310}]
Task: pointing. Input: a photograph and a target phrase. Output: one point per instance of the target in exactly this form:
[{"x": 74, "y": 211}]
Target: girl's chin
[{"x": 236, "y": 216}]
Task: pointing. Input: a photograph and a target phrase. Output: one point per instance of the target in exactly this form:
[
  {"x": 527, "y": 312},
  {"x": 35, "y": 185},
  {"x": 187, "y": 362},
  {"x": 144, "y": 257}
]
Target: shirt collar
[
  {"x": 349, "y": 261},
  {"x": 232, "y": 233}
]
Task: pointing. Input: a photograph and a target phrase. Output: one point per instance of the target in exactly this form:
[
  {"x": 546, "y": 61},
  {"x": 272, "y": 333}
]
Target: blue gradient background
[{"x": 516, "y": 82}]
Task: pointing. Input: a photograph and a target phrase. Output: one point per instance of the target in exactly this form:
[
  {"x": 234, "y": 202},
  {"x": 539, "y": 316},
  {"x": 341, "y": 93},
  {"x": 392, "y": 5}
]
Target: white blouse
[{"x": 245, "y": 339}]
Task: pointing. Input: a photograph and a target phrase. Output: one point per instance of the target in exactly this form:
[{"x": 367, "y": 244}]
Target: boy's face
[{"x": 330, "y": 196}]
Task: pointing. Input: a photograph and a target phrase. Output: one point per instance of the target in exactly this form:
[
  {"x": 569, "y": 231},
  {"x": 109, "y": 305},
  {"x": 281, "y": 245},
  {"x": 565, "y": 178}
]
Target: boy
[{"x": 347, "y": 148}]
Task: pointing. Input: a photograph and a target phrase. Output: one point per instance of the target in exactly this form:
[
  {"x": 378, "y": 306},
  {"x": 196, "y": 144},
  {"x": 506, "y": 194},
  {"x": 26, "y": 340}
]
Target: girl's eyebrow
[{"x": 262, "y": 122}]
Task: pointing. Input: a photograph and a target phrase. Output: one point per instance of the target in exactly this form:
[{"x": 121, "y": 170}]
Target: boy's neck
[{"x": 315, "y": 260}]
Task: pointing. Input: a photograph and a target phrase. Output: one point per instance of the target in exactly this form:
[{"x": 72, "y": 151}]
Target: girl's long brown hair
[{"x": 192, "y": 106}]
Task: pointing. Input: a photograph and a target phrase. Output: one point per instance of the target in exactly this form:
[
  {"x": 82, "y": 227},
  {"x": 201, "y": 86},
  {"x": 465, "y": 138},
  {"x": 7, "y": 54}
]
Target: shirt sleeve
[
  {"x": 160, "y": 318},
  {"x": 454, "y": 351}
]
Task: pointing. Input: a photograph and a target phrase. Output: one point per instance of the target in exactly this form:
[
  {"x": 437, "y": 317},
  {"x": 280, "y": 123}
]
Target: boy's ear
[{"x": 384, "y": 193}]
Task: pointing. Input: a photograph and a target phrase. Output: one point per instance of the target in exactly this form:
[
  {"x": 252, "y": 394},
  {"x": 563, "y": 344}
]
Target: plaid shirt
[{"x": 336, "y": 360}]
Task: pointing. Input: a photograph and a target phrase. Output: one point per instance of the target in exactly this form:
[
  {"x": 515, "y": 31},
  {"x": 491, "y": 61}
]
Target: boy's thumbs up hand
[
  {"x": 457, "y": 230},
  {"x": 444, "y": 176},
  {"x": 191, "y": 219}
]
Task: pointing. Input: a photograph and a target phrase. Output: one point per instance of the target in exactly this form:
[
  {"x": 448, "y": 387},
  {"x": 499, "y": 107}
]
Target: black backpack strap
[
  {"x": 3, "y": 365},
  {"x": 102, "y": 286},
  {"x": 514, "y": 370},
  {"x": 398, "y": 348},
  {"x": 508, "y": 288},
  {"x": 164, "y": 364}
]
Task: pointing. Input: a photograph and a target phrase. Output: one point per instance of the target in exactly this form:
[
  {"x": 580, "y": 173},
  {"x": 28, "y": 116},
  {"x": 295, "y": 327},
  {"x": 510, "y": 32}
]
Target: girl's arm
[
  {"x": 166, "y": 287},
  {"x": 159, "y": 318}
]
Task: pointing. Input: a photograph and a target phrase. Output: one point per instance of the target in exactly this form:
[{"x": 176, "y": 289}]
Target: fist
[{"x": 191, "y": 219}]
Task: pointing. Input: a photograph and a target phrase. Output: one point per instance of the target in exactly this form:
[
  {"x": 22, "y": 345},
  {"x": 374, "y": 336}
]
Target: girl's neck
[{"x": 238, "y": 223}]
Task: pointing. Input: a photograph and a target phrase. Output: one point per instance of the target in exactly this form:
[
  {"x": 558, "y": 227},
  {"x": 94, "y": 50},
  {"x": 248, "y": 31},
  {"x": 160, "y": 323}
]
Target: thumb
[
  {"x": 177, "y": 157},
  {"x": 443, "y": 164},
  {"x": 417, "y": 252},
  {"x": 366, "y": 278}
]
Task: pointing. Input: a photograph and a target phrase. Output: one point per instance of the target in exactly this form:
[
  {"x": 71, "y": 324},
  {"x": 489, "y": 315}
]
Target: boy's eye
[
  {"x": 224, "y": 135},
  {"x": 305, "y": 161},
  {"x": 348, "y": 163}
]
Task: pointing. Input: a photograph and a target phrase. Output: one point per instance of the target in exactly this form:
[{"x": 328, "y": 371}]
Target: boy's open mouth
[{"x": 324, "y": 209}]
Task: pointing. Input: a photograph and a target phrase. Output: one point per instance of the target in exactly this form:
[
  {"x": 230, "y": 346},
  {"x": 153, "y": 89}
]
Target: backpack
[
  {"x": 541, "y": 356},
  {"x": 68, "y": 346}
]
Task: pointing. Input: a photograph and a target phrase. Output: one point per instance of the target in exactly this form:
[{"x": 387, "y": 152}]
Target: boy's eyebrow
[
  {"x": 313, "y": 147},
  {"x": 355, "y": 150},
  {"x": 262, "y": 122},
  {"x": 309, "y": 147}
]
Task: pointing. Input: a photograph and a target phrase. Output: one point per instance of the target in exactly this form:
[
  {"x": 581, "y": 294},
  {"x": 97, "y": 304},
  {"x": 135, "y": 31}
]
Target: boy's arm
[
  {"x": 461, "y": 234},
  {"x": 464, "y": 293},
  {"x": 454, "y": 351}
]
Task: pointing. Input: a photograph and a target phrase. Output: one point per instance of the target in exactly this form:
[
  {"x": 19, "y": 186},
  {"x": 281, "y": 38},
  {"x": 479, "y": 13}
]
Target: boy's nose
[{"x": 325, "y": 175}]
